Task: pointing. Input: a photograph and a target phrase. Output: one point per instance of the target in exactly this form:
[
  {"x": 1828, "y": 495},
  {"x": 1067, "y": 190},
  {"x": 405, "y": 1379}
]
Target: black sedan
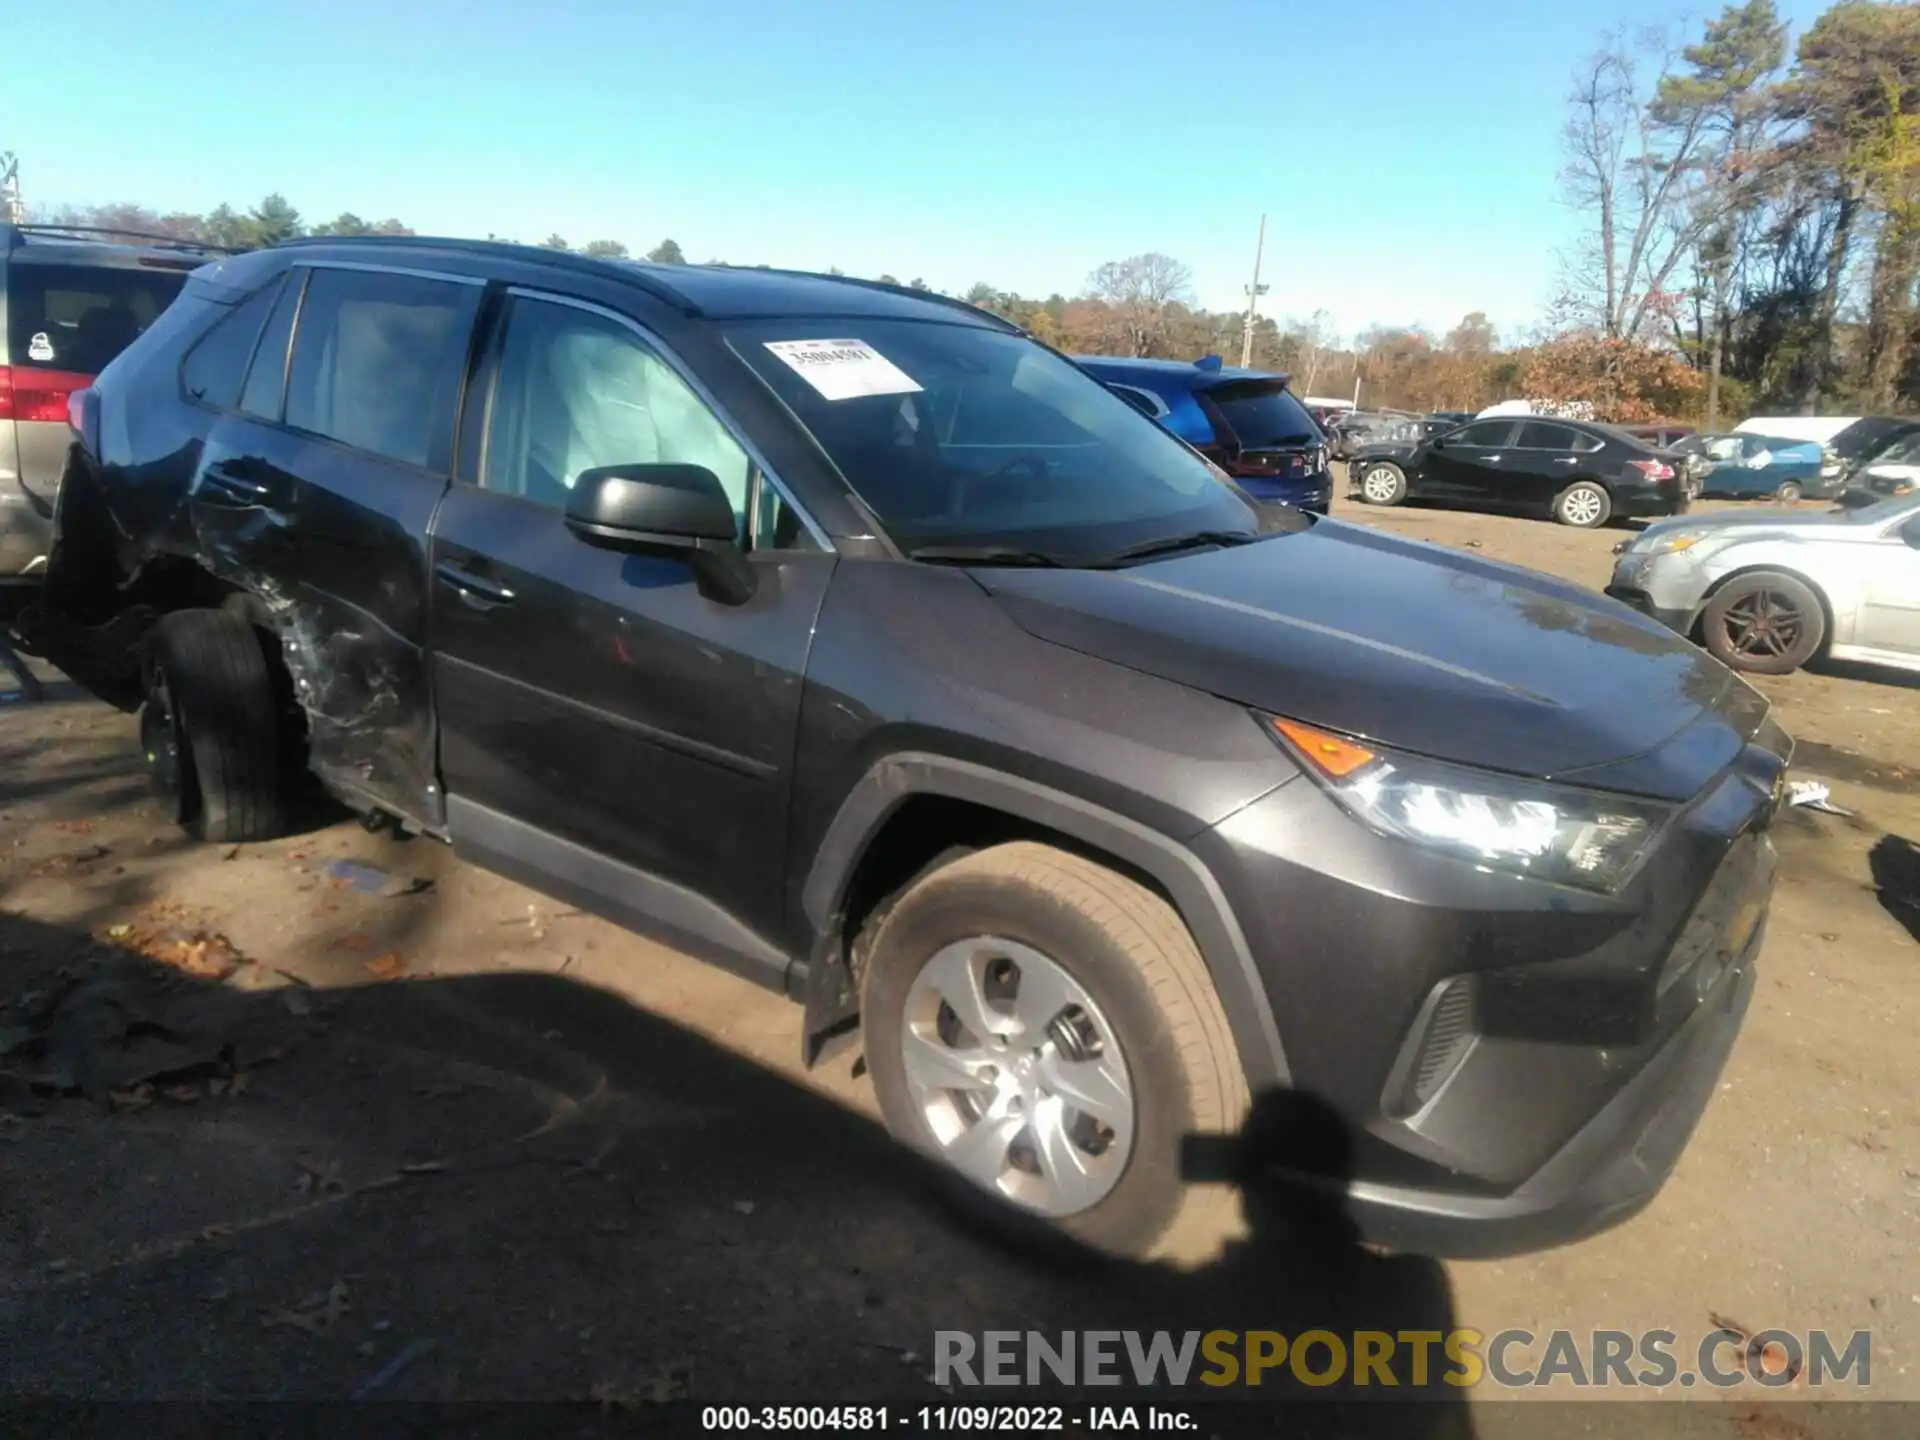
[{"x": 1578, "y": 472}]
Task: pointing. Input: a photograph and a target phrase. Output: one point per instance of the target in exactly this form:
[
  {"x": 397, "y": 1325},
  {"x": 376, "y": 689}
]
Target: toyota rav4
[{"x": 851, "y": 638}]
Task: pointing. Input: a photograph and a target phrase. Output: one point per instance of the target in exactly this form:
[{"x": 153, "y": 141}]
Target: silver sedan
[{"x": 1766, "y": 591}]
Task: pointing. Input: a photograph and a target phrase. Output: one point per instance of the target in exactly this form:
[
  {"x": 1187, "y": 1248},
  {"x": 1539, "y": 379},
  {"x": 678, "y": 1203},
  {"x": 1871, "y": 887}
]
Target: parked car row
[{"x": 843, "y": 635}]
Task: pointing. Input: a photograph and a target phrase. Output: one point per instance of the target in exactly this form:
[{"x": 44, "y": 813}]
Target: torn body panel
[{"x": 332, "y": 545}]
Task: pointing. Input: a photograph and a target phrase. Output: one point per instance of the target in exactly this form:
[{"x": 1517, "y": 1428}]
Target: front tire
[
  {"x": 1766, "y": 623},
  {"x": 210, "y": 728},
  {"x": 1045, "y": 1029},
  {"x": 1788, "y": 493},
  {"x": 1382, "y": 483},
  {"x": 1583, "y": 505}
]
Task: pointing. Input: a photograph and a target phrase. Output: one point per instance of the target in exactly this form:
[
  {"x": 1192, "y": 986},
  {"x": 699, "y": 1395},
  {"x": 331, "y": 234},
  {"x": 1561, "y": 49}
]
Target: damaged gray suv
[{"x": 847, "y": 637}]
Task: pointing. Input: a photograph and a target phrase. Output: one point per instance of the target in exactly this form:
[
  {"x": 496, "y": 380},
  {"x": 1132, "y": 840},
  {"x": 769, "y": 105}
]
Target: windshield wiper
[
  {"x": 983, "y": 555},
  {"x": 1169, "y": 544}
]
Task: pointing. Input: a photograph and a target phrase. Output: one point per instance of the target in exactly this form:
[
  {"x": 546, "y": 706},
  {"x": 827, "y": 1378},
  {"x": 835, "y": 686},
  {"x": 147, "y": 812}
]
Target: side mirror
[
  {"x": 1135, "y": 399},
  {"x": 665, "y": 509}
]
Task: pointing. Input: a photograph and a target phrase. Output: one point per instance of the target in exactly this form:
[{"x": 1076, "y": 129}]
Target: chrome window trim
[
  {"x": 1161, "y": 410},
  {"x": 411, "y": 271},
  {"x": 768, "y": 475}
]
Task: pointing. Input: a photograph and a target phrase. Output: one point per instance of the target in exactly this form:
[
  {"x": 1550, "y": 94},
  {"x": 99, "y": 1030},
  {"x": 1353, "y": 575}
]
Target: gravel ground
[{"x": 440, "y": 1138}]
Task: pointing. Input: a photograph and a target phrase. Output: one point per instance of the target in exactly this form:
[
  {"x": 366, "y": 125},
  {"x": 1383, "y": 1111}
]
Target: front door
[
  {"x": 1890, "y": 608},
  {"x": 593, "y": 703},
  {"x": 1465, "y": 464}
]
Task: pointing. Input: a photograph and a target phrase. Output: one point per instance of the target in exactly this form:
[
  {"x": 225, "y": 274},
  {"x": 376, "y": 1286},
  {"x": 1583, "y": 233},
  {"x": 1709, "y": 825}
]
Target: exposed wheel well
[{"x": 926, "y": 831}]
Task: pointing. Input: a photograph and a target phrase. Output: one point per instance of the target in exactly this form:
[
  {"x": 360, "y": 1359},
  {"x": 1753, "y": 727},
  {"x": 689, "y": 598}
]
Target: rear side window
[
  {"x": 1536, "y": 436},
  {"x": 378, "y": 361},
  {"x": 1262, "y": 415},
  {"x": 77, "y": 318},
  {"x": 217, "y": 364}
]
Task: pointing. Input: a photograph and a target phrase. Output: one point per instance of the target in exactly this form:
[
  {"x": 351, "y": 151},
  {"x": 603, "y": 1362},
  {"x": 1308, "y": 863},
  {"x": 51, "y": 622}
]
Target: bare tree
[
  {"x": 1311, "y": 341},
  {"x": 1634, "y": 166},
  {"x": 1140, "y": 293}
]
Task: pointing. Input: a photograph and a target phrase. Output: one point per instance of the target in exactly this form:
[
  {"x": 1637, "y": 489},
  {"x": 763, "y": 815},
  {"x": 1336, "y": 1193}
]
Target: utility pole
[{"x": 1254, "y": 292}]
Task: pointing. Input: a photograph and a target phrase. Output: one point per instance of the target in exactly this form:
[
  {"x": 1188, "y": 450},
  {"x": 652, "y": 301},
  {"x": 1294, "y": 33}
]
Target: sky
[{"x": 1404, "y": 152}]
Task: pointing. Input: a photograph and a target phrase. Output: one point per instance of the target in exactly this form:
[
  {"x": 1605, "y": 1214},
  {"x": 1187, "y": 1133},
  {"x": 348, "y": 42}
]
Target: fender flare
[{"x": 1195, "y": 893}]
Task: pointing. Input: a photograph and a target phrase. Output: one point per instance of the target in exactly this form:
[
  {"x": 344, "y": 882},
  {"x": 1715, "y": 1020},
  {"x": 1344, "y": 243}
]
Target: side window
[
  {"x": 267, "y": 376},
  {"x": 1493, "y": 432},
  {"x": 577, "y": 391},
  {"x": 1536, "y": 436},
  {"x": 378, "y": 362},
  {"x": 217, "y": 363}
]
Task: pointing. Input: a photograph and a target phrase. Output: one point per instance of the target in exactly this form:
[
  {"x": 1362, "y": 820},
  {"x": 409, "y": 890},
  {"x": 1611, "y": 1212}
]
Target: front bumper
[{"x": 1556, "y": 1098}]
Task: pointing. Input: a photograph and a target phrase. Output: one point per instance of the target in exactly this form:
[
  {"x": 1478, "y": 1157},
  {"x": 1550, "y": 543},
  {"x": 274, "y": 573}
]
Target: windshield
[
  {"x": 1888, "y": 509},
  {"x": 956, "y": 435},
  {"x": 1263, "y": 415},
  {"x": 1903, "y": 452}
]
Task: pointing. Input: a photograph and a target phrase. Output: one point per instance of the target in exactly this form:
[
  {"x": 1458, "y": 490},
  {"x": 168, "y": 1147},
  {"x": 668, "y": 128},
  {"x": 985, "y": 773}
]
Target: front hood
[{"x": 1402, "y": 642}]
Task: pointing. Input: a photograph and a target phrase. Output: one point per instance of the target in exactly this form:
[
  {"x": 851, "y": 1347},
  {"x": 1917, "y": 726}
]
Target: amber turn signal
[{"x": 1336, "y": 756}]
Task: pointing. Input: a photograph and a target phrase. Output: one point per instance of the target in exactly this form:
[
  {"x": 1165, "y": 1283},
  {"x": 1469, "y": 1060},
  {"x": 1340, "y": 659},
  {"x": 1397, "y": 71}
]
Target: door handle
[
  {"x": 1566, "y": 459},
  {"x": 472, "y": 586},
  {"x": 1491, "y": 459}
]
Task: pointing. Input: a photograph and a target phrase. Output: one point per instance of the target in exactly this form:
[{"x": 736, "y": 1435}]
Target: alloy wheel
[
  {"x": 1018, "y": 1075},
  {"x": 1765, "y": 624},
  {"x": 1582, "y": 507},
  {"x": 1380, "y": 485}
]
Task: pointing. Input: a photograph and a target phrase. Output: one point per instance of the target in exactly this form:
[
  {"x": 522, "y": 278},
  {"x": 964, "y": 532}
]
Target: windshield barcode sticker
[{"x": 843, "y": 369}]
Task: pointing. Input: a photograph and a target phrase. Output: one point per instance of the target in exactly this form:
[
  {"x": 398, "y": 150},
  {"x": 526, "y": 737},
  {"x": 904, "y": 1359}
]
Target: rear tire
[
  {"x": 210, "y": 728},
  {"x": 1018, "y": 933},
  {"x": 1766, "y": 623},
  {"x": 1382, "y": 483},
  {"x": 1583, "y": 505}
]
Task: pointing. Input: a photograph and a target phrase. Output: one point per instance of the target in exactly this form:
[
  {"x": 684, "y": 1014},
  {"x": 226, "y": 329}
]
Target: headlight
[
  {"x": 1555, "y": 833},
  {"x": 1672, "y": 542}
]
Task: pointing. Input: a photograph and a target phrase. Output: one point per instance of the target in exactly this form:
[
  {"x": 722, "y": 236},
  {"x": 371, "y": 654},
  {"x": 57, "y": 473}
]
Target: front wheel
[
  {"x": 1583, "y": 505},
  {"x": 1765, "y": 623},
  {"x": 1788, "y": 493},
  {"x": 1045, "y": 1029},
  {"x": 1383, "y": 484}
]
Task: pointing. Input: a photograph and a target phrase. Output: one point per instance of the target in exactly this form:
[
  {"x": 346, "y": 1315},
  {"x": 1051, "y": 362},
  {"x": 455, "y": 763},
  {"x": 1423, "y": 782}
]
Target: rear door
[
  {"x": 603, "y": 724},
  {"x": 316, "y": 494},
  {"x": 1543, "y": 460},
  {"x": 1467, "y": 464}
]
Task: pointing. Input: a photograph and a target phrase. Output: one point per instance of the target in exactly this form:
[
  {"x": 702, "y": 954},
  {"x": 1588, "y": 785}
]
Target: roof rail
[
  {"x": 644, "y": 275},
  {"x": 13, "y": 232}
]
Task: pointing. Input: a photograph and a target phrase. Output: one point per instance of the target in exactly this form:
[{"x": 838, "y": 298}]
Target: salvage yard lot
[{"x": 411, "y": 1129}]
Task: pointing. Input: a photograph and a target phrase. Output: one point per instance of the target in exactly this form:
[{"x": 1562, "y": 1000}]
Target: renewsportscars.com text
[{"x": 1510, "y": 1359}]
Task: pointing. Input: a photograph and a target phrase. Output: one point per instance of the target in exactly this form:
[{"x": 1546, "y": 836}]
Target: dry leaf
[{"x": 387, "y": 966}]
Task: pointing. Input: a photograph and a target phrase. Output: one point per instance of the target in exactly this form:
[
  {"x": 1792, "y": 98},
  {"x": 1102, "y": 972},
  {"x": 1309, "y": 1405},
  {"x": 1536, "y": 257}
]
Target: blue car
[
  {"x": 1746, "y": 467},
  {"x": 1246, "y": 421}
]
